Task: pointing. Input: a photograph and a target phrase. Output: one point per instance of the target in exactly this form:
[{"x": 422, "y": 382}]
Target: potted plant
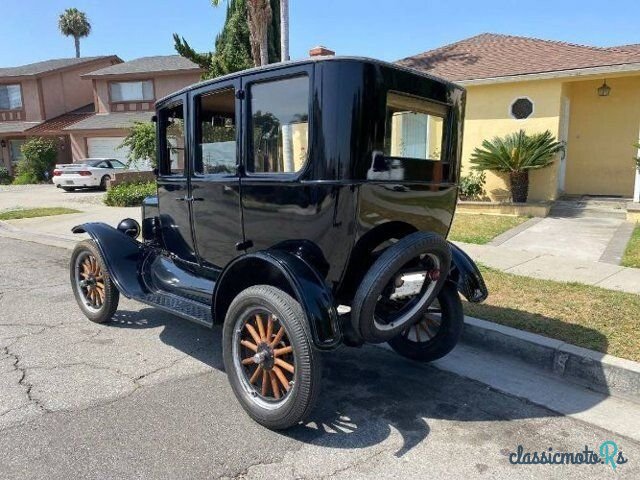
[{"x": 516, "y": 154}]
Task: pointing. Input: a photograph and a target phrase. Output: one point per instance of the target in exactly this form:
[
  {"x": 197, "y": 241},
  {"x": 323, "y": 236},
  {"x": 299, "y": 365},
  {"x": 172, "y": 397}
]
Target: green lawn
[
  {"x": 481, "y": 229},
  {"x": 590, "y": 317},
  {"x": 35, "y": 212},
  {"x": 631, "y": 256}
]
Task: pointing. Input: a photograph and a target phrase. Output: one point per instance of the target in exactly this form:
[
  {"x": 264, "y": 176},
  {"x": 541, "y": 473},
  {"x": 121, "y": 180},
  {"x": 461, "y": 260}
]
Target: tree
[
  {"x": 516, "y": 154},
  {"x": 74, "y": 23},
  {"x": 39, "y": 158},
  {"x": 141, "y": 142},
  {"x": 233, "y": 48}
]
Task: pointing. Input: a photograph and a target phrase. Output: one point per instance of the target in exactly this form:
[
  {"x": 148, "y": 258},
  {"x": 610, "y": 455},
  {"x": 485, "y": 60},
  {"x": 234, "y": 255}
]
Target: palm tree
[
  {"x": 516, "y": 154},
  {"x": 74, "y": 23},
  {"x": 258, "y": 18}
]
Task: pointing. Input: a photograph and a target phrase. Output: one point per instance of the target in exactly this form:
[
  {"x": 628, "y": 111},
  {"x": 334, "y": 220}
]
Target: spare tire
[{"x": 400, "y": 286}]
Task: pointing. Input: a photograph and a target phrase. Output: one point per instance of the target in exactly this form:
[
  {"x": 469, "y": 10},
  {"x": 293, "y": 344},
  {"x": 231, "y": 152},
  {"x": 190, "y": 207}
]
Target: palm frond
[{"x": 516, "y": 152}]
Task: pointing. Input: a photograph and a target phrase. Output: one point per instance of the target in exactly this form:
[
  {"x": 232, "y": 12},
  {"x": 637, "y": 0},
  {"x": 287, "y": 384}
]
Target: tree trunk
[
  {"x": 77, "y": 42},
  {"x": 264, "y": 46},
  {"x": 519, "y": 186},
  {"x": 284, "y": 30}
]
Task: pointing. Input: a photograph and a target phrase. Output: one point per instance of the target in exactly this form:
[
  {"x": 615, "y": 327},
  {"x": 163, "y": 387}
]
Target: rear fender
[
  {"x": 291, "y": 274},
  {"x": 122, "y": 255},
  {"x": 465, "y": 274}
]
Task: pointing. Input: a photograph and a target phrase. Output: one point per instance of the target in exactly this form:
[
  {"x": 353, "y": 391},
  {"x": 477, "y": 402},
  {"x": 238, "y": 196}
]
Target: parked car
[
  {"x": 303, "y": 206},
  {"x": 92, "y": 172}
]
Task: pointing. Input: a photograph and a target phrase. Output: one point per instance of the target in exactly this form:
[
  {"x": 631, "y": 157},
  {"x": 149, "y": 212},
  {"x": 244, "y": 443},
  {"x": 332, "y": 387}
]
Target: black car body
[{"x": 297, "y": 176}]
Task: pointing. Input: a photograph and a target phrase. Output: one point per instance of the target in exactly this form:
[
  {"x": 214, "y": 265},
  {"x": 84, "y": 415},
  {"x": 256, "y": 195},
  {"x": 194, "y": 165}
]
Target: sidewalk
[{"x": 550, "y": 267}]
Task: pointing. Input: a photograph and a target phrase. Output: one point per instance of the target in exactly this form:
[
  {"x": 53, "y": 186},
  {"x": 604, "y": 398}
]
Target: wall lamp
[{"x": 604, "y": 89}]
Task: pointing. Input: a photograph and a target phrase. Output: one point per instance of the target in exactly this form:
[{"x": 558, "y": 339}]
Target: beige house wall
[
  {"x": 488, "y": 115},
  {"x": 602, "y": 133}
]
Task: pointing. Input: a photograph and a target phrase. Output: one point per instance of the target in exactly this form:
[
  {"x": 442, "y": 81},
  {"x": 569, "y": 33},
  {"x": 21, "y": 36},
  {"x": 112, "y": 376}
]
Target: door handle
[
  {"x": 181, "y": 199},
  {"x": 196, "y": 199}
]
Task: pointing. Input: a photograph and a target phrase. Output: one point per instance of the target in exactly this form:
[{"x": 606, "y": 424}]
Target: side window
[
  {"x": 172, "y": 140},
  {"x": 279, "y": 125},
  {"x": 216, "y": 133},
  {"x": 117, "y": 164},
  {"x": 414, "y": 128},
  {"x": 103, "y": 164}
]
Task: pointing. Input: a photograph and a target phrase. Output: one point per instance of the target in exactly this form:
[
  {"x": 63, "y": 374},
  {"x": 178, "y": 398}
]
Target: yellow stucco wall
[
  {"x": 602, "y": 131},
  {"x": 488, "y": 115}
]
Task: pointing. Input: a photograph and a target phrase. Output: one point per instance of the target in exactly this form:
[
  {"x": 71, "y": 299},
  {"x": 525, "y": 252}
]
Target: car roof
[{"x": 312, "y": 60}]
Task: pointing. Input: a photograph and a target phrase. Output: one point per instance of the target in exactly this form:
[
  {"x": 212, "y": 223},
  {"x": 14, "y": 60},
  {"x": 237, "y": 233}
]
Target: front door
[
  {"x": 174, "y": 197},
  {"x": 217, "y": 217}
]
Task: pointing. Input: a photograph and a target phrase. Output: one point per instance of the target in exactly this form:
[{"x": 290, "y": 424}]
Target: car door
[
  {"x": 215, "y": 183},
  {"x": 174, "y": 197},
  {"x": 277, "y": 205}
]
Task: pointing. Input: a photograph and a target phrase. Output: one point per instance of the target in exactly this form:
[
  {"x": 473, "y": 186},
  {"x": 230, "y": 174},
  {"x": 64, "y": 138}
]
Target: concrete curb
[{"x": 597, "y": 371}]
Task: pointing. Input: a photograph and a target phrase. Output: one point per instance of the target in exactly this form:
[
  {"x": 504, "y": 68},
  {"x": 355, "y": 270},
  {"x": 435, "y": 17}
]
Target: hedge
[{"x": 129, "y": 194}]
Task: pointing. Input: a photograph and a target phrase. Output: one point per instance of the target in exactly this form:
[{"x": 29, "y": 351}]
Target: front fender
[
  {"x": 465, "y": 274},
  {"x": 122, "y": 255},
  {"x": 291, "y": 274}
]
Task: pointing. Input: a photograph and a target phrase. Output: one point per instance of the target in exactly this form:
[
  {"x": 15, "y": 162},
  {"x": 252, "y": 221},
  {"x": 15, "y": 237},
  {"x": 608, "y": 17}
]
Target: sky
[{"x": 387, "y": 30}]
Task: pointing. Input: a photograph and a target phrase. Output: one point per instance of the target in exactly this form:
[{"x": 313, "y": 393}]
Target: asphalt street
[{"x": 145, "y": 396}]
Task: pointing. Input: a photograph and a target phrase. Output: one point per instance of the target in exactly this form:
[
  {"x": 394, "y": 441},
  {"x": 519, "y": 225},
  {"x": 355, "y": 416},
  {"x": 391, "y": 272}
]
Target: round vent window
[{"x": 521, "y": 108}]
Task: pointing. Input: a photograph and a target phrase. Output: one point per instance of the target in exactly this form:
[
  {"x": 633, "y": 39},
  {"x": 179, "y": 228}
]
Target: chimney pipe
[{"x": 321, "y": 51}]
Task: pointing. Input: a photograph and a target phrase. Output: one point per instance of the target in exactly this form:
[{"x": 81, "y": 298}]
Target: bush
[
  {"x": 5, "y": 177},
  {"x": 129, "y": 194},
  {"x": 472, "y": 186},
  {"x": 39, "y": 157}
]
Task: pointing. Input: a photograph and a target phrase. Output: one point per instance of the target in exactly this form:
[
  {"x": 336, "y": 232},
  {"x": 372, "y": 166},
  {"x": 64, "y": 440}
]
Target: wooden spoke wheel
[
  {"x": 93, "y": 288},
  {"x": 266, "y": 356},
  {"x": 91, "y": 280},
  {"x": 272, "y": 366},
  {"x": 436, "y": 332}
]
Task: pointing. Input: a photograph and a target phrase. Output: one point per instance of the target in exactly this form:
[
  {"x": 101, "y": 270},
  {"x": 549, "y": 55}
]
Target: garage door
[{"x": 107, "y": 147}]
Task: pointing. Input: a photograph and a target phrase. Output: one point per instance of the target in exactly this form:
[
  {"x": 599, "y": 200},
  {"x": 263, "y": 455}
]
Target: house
[
  {"x": 41, "y": 98},
  {"x": 123, "y": 94},
  {"x": 588, "y": 97}
]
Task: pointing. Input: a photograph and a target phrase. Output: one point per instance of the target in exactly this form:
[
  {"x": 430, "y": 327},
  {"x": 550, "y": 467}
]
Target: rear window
[{"x": 414, "y": 128}]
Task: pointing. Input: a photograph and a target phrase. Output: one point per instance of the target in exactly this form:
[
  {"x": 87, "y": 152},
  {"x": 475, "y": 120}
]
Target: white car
[{"x": 92, "y": 172}]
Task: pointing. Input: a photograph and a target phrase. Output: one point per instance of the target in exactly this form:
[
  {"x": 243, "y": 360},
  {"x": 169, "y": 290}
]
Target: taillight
[
  {"x": 57, "y": 173},
  {"x": 84, "y": 173}
]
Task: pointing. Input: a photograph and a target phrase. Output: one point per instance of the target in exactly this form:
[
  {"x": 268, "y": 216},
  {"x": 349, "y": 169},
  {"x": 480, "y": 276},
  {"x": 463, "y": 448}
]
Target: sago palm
[
  {"x": 516, "y": 154},
  {"x": 74, "y": 23}
]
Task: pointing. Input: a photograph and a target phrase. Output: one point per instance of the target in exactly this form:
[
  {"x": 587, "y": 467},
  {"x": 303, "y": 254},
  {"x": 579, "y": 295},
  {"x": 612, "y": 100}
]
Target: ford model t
[{"x": 304, "y": 206}]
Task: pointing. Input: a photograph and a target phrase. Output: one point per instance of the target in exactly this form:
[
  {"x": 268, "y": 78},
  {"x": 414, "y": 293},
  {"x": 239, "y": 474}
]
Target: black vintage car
[{"x": 305, "y": 206}]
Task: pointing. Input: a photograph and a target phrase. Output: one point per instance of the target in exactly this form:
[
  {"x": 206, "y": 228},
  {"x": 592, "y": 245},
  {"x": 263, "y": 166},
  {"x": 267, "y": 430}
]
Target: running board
[{"x": 189, "y": 309}]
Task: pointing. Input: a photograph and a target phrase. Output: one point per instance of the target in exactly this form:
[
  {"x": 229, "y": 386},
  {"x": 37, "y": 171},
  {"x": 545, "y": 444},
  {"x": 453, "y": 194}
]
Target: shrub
[
  {"x": 129, "y": 194},
  {"x": 472, "y": 186},
  {"x": 5, "y": 177},
  {"x": 141, "y": 142},
  {"x": 39, "y": 156}
]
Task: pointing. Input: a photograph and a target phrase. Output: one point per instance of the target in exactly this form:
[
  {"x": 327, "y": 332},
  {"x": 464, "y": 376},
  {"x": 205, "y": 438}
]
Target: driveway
[
  {"x": 145, "y": 396},
  {"x": 34, "y": 196}
]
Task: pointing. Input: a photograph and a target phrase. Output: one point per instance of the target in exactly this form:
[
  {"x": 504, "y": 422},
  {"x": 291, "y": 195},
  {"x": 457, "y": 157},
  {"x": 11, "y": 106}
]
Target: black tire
[
  {"x": 68, "y": 189},
  {"x": 409, "y": 343},
  {"x": 105, "y": 182},
  {"x": 408, "y": 253},
  {"x": 87, "y": 265},
  {"x": 296, "y": 402}
]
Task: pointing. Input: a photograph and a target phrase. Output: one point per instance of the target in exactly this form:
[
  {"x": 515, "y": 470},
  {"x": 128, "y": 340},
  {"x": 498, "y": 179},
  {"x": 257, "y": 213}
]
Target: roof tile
[{"x": 492, "y": 55}]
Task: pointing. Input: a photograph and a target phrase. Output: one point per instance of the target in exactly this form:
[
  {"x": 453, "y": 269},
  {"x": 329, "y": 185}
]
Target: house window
[
  {"x": 521, "y": 108},
  {"x": 10, "y": 97},
  {"x": 139, "y": 91},
  {"x": 414, "y": 128},
  {"x": 280, "y": 125},
  {"x": 16, "y": 150}
]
